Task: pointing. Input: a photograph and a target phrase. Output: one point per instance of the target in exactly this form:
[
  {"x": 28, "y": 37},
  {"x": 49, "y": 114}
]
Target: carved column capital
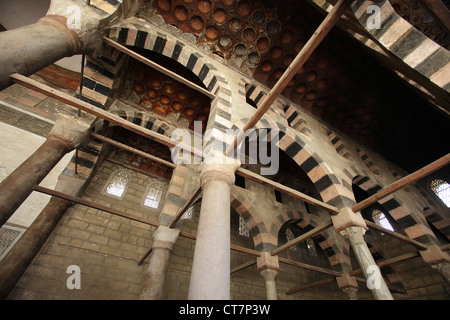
[
  {"x": 74, "y": 131},
  {"x": 165, "y": 237}
]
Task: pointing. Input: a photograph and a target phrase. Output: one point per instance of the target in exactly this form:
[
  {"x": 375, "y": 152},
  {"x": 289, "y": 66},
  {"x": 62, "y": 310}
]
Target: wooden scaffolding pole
[
  {"x": 318, "y": 36},
  {"x": 286, "y": 190},
  {"x": 403, "y": 182},
  {"x": 156, "y": 66},
  {"x": 133, "y": 150},
  {"x": 102, "y": 114},
  {"x": 302, "y": 238},
  {"x": 397, "y": 235}
]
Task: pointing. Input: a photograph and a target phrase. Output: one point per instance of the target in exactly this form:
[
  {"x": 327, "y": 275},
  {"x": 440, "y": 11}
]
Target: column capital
[
  {"x": 267, "y": 261},
  {"x": 165, "y": 237},
  {"x": 351, "y": 292},
  {"x": 434, "y": 255},
  {"x": 74, "y": 131},
  {"x": 346, "y": 281},
  {"x": 217, "y": 166},
  {"x": 354, "y": 234},
  {"x": 347, "y": 218}
]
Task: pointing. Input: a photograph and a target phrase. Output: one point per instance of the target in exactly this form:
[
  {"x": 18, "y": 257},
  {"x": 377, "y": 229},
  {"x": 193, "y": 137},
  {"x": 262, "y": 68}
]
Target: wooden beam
[
  {"x": 311, "y": 285},
  {"x": 440, "y": 11},
  {"x": 302, "y": 238},
  {"x": 156, "y": 66},
  {"x": 119, "y": 213},
  {"x": 310, "y": 267},
  {"x": 403, "y": 182},
  {"x": 133, "y": 150},
  {"x": 243, "y": 266},
  {"x": 289, "y": 191},
  {"x": 318, "y": 36},
  {"x": 185, "y": 207},
  {"x": 93, "y": 205},
  {"x": 103, "y": 114},
  {"x": 397, "y": 235}
]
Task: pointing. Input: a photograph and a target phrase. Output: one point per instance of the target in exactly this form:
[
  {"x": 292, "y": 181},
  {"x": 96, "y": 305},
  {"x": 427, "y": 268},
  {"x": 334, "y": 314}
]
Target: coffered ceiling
[{"x": 341, "y": 83}]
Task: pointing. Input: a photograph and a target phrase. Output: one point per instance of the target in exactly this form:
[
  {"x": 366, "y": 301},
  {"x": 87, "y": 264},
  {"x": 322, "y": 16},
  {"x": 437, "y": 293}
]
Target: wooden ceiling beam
[
  {"x": 403, "y": 182},
  {"x": 313, "y": 42},
  {"x": 157, "y": 67}
]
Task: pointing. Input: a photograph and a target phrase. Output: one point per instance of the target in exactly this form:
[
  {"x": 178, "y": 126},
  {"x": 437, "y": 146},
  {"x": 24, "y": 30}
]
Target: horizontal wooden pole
[
  {"x": 186, "y": 207},
  {"x": 311, "y": 285},
  {"x": 119, "y": 213},
  {"x": 103, "y": 114},
  {"x": 397, "y": 235},
  {"x": 243, "y": 266},
  {"x": 289, "y": 191},
  {"x": 156, "y": 66},
  {"x": 310, "y": 267},
  {"x": 403, "y": 182},
  {"x": 93, "y": 205},
  {"x": 302, "y": 238},
  {"x": 133, "y": 150},
  {"x": 318, "y": 36}
]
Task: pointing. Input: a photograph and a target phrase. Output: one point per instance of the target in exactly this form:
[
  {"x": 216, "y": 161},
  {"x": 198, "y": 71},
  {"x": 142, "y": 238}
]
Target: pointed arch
[
  {"x": 413, "y": 227},
  {"x": 290, "y": 141}
]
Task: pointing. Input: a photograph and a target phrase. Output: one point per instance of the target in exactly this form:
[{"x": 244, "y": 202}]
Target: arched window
[
  {"x": 311, "y": 247},
  {"x": 380, "y": 219},
  {"x": 154, "y": 195},
  {"x": 189, "y": 214},
  {"x": 290, "y": 236},
  {"x": 442, "y": 189},
  {"x": 118, "y": 183},
  {"x": 243, "y": 228}
]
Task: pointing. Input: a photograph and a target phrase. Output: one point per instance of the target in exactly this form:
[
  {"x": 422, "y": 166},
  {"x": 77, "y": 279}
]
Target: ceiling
[{"x": 341, "y": 83}]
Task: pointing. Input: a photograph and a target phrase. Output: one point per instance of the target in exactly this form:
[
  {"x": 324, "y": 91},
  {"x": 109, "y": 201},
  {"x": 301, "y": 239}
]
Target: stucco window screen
[
  {"x": 290, "y": 236},
  {"x": 442, "y": 189},
  {"x": 118, "y": 183},
  {"x": 380, "y": 219},
  {"x": 243, "y": 228},
  {"x": 189, "y": 214},
  {"x": 311, "y": 247},
  {"x": 9, "y": 235},
  {"x": 154, "y": 196}
]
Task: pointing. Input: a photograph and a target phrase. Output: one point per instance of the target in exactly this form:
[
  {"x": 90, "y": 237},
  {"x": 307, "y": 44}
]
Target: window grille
[
  {"x": 118, "y": 183},
  {"x": 442, "y": 190},
  {"x": 380, "y": 219},
  {"x": 153, "y": 198},
  {"x": 243, "y": 228}
]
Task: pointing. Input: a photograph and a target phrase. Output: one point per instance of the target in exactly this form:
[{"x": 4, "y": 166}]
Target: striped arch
[
  {"x": 289, "y": 140},
  {"x": 138, "y": 33},
  {"x": 407, "y": 43},
  {"x": 100, "y": 81},
  {"x": 335, "y": 247},
  {"x": 296, "y": 120},
  {"x": 253, "y": 92},
  {"x": 259, "y": 231},
  {"x": 388, "y": 271},
  {"x": 412, "y": 226},
  {"x": 338, "y": 144}
]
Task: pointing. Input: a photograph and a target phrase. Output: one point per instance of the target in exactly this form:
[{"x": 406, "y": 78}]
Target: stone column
[
  {"x": 268, "y": 267},
  {"x": 438, "y": 260},
  {"x": 210, "y": 277},
  {"x": 28, "y": 49},
  {"x": 164, "y": 239},
  {"x": 70, "y": 27},
  {"x": 352, "y": 226},
  {"x": 19, "y": 258},
  {"x": 349, "y": 285},
  {"x": 67, "y": 134},
  {"x": 375, "y": 281}
]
